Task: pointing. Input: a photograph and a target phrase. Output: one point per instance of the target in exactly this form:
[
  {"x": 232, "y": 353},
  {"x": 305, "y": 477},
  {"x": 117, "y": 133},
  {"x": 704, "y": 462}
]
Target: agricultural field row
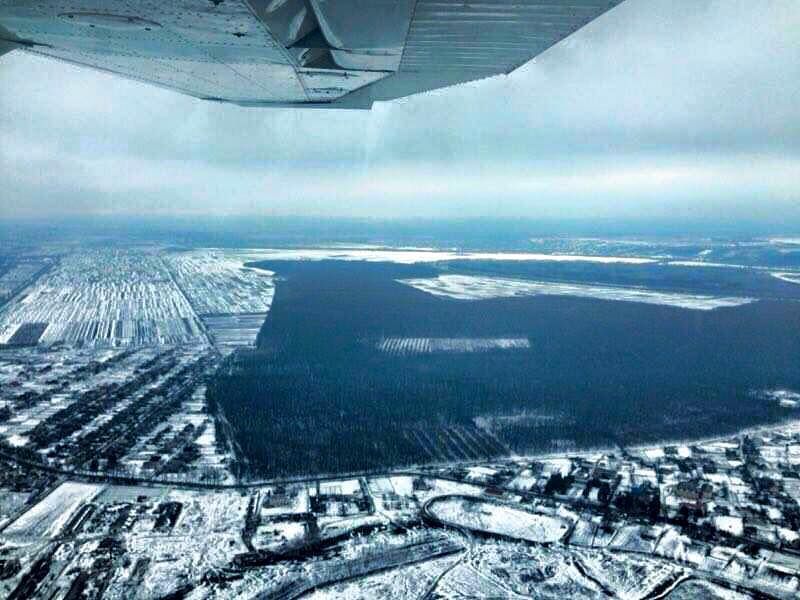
[
  {"x": 231, "y": 299},
  {"x": 103, "y": 298},
  {"x": 218, "y": 284},
  {"x": 398, "y": 345},
  {"x": 229, "y": 332}
]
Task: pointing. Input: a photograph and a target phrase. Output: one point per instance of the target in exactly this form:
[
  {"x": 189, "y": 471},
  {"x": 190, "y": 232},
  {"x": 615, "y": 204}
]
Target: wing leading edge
[{"x": 315, "y": 53}]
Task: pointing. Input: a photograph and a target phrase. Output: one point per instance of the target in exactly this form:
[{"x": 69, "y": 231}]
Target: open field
[
  {"x": 429, "y": 255},
  {"x": 232, "y": 300},
  {"x": 105, "y": 298},
  {"x": 229, "y": 332},
  {"x": 217, "y": 283},
  {"x": 17, "y": 276},
  {"x": 788, "y": 277},
  {"x": 490, "y": 517},
  {"x": 432, "y": 345},
  {"x": 465, "y": 287},
  {"x": 49, "y": 516}
]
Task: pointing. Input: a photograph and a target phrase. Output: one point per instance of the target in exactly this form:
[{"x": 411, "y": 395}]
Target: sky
[{"x": 660, "y": 108}]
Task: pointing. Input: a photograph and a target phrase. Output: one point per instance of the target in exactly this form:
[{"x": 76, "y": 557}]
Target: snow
[
  {"x": 17, "y": 440},
  {"x": 403, "y": 485},
  {"x": 784, "y": 397},
  {"x": 654, "y": 453},
  {"x": 583, "y": 533},
  {"x": 404, "y": 582},
  {"x": 731, "y": 525},
  {"x": 788, "y": 277},
  {"x": 349, "y": 487},
  {"x": 490, "y": 517},
  {"x": 426, "y": 256},
  {"x": 774, "y": 513},
  {"x": 787, "y": 535},
  {"x": 632, "y": 538},
  {"x": 469, "y": 287},
  {"x": 524, "y": 481},
  {"x": 560, "y": 465},
  {"x": 233, "y": 300},
  {"x": 7, "y": 331},
  {"x": 674, "y": 545},
  {"x": 48, "y": 517},
  {"x": 697, "y": 588},
  {"x": 404, "y": 346},
  {"x": 480, "y": 473},
  {"x": 106, "y": 298},
  {"x": 218, "y": 283},
  {"x": 627, "y": 575},
  {"x": 278, "y": 533},
  {"x": 701, "y": 263},
  {"x": 209, "y": 511},
  {"x": 507, "y": 570}
]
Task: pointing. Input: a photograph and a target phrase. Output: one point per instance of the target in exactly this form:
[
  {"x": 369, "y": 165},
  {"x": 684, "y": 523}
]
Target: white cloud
[{"x": 660, "y": 106}]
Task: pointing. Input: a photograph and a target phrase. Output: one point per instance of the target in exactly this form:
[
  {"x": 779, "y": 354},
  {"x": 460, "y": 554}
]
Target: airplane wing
[{"x": 317, "y": 53}]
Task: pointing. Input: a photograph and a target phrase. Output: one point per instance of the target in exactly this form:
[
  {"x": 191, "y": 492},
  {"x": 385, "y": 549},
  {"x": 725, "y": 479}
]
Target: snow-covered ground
[
  {"x": 401, "y": 345},
  {"x": 426, "y": 256},
  {"x": 468, "y": 287},
  {"x": 233, "y": 300},
  {"x": 703, "y": 263},
  {"x": 696, "y": 589},
  {"x": 404, "y": 582},
  {"x": 105, "y": 298},
  {"x": 48, "y": 517},
  {"x": 784, "y": 397},
  {"x": 788, "y": 277},
  {"x": 474, "y": 513},
  {"x": 507, "y": 570},
  {"x": 217, "y": 282}
]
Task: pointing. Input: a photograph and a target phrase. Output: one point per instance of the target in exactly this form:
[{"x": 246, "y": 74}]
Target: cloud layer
[{"x": 658, "y": 108}]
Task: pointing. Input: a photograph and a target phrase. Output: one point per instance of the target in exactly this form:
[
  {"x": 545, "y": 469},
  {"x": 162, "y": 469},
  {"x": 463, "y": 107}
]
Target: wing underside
[{"x": 338, "y": 53}]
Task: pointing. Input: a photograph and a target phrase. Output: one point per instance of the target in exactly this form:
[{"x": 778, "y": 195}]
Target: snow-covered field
[
  {"x": 104, "y": 298},
  {"x": 234, "y": 331},
  {"x": 788, "y": 277},
  {"x": 400, "y": 345},
  {"x": 474, "y": 513},
  {"x": 786, "y": 398},
  {"x": 233, "y": 300},
  {"x": 697, "y": 589},
  {"x": 404, "y": 582},
  {"x": 414, "y": 256},
  {"x": 703, "y": 263},
  {"x": 47, "y": 517},
  {"x": 467, "y": 287},
  {"x": 17, "y": 276},
  {"x": 217, "y": 283},
  {"x": 507, "y": 570}
]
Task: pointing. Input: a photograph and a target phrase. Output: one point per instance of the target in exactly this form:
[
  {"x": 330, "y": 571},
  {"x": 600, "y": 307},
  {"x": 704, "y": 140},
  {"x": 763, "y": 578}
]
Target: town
[{"x": 720, "y": 514}]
